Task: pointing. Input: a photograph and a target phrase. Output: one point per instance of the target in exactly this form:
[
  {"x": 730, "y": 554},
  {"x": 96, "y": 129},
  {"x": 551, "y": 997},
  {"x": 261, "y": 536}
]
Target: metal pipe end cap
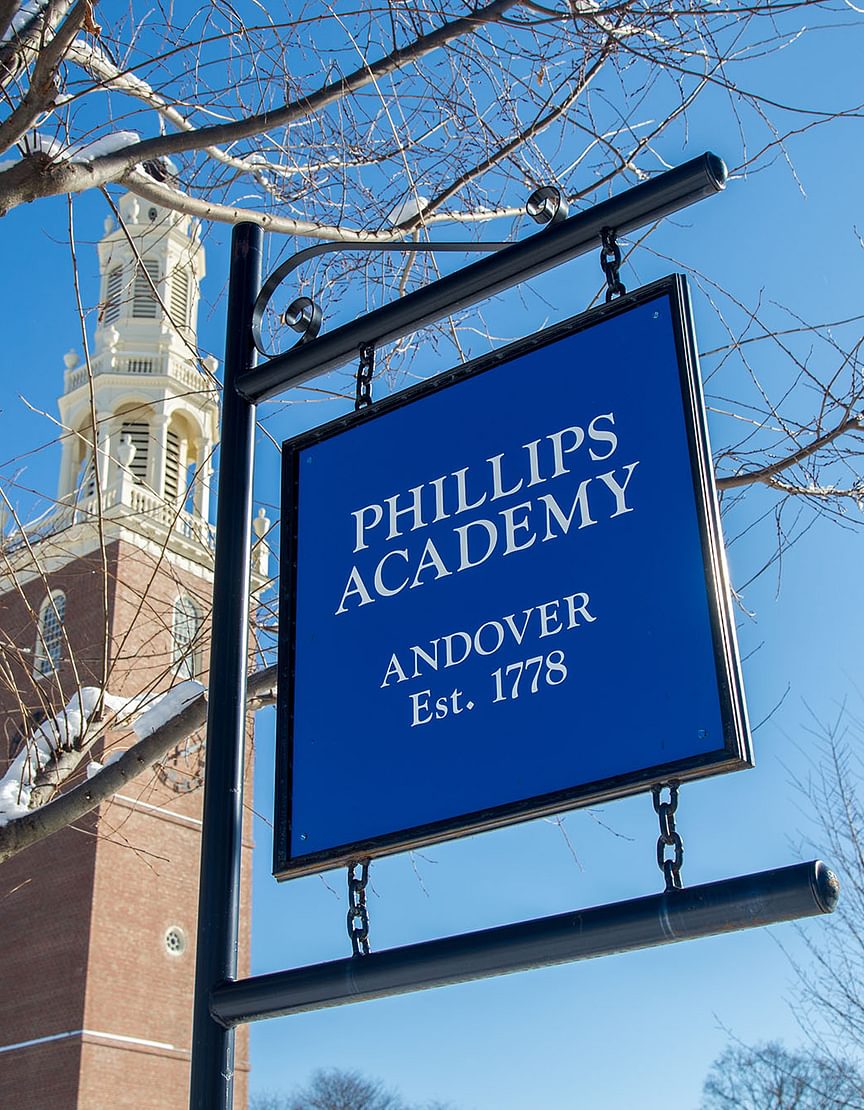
[
  {"x": 717, "y": 168},
  {"x": 826, "y": 887}
]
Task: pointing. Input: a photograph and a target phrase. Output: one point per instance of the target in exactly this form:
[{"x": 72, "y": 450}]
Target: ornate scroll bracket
[{"x": 545, "y": 206}]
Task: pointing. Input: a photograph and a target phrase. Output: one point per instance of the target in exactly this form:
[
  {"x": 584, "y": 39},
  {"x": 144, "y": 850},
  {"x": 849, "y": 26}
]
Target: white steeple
[{"x": 156, "y": 409}]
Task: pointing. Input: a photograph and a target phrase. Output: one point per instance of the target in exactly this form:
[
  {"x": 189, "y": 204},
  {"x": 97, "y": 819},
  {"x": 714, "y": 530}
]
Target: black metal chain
[
  {"x": 358, "y": 915},
  {"x": 610, "y": 261},
  {"x": 364, "y": 376},
  {"x": 668, "y": 838}
]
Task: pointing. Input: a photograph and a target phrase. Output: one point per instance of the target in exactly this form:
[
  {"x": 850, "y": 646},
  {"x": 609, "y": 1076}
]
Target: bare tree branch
[
  {"x": 22, "y": 832},
  {"x": 43, "y": 88},
  {"x": 72, "y": 178},
  {"x": 766, "y": 473}
]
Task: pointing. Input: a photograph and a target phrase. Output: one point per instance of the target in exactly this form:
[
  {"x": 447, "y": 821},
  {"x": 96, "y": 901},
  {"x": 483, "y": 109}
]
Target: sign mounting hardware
[
  {"x": 358, "y": 913},
  {"x": 669, "y": 836},
  {"x": 365, "y": 372},
  {"x": 610, "y": 263}
]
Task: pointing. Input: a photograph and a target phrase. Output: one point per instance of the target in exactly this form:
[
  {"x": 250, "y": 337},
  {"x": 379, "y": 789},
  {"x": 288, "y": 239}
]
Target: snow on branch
[
  {"x": 37, "y": 141},
  {"x": 22, "y": 18},
  {"x": 93, "y": 60},
  {"x": 160, "y": 710},
  {"x": 67, "y": 731},
  {"x": 39, "y": 178},
  {"x": 160, "y": 723}
]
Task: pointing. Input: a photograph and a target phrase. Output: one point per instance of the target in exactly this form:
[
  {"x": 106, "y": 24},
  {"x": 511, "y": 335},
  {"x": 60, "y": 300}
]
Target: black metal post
[
  {"x": 219, "y": 892},
  {"x": 803, "y": 890},
  {"x": 637, "y": 207}
]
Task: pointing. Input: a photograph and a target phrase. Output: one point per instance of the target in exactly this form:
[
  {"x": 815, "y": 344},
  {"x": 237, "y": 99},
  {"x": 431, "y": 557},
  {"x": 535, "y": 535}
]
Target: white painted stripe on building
[
  {"x": 88, "y": 1033},
  {"x": 159, "y": 809},
  {"x": 128, "y": 1040},
  {"x": 38, "y": 1040}
]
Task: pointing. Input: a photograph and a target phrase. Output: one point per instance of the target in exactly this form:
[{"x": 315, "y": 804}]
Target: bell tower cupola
[
  {"x": 107, "y": 595},
  {"x": 148, "y": 459}
]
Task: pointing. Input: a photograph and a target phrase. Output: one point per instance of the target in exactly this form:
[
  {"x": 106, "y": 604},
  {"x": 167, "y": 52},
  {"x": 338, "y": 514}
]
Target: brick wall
[{"x": 86, "y": 913}]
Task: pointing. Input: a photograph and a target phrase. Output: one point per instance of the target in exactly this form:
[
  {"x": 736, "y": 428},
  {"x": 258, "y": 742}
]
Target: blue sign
[{"x": 503, "y": 593}]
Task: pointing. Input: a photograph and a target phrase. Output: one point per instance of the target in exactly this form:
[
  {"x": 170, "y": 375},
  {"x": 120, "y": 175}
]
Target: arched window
[
  {"x": 186, "y": 624},
  {"x": 49, "y": 637},
  {"x": 144, "y": 303}
]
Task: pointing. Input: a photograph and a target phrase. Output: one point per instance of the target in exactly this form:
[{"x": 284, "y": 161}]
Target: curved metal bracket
[
  {"x": 303, "y": 314},
  {"x": 545, "y": 206}
]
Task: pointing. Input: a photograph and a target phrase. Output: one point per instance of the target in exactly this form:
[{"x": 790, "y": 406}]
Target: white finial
[
  {"x": 109, "y": 224},
  {"x": 70, "y": 359},
  {"x": 112, "y": 337},
  {"x": 261, "y": 524},
  {"x": 126, "y": 452},
  {"x": 134, "y": 210}
]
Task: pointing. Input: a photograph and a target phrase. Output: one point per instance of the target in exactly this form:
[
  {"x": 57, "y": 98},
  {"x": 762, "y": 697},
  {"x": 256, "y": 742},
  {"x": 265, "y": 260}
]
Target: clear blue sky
[{"x": 636, "y": 1030}]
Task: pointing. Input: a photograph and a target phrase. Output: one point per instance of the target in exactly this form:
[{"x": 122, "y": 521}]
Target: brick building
[{"x": 112, "y": 590}]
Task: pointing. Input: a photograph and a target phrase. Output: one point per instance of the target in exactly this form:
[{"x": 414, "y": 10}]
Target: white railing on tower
[
  {"x": 125, "y": 500},
  {"x": 137, "y": 364}
]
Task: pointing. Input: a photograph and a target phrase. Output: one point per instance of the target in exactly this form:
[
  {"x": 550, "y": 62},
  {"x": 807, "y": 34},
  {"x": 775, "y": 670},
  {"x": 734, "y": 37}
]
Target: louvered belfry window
[
  {"x": 145, "y": 306},
  {"x": 172, "y": 465},
  {"x": 113, "y": 291},
  {"x": 49, "y": 637},
  {"x": 180, "y": 298},
  {"x": 139, "y": 432}
]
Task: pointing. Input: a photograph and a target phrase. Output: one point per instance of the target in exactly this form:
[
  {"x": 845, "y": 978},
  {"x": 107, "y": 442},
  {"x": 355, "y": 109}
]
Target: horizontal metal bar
[
  {"x": 803, "y": 890},
  {"x": 660, "y": 196}
]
